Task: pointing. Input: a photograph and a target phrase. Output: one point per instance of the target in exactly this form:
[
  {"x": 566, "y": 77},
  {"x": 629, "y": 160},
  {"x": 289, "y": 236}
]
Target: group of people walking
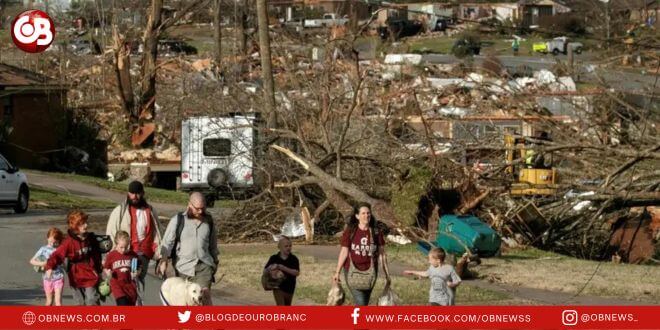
[{"x": 189, "y": 243}]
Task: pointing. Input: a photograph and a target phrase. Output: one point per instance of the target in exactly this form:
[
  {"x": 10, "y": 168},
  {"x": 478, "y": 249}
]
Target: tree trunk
[
  {"x": 148, "y": 83},
  {"x": 217, "y": 35},
  {"x": 266, "y": 62},
  {"x": 329, "y": 182},
  {"x": 353, "y": 19},
  {"x": 626, "y": 199},
  {"x": 122, "y": 72},
  {"x": 241, "y": 26}
]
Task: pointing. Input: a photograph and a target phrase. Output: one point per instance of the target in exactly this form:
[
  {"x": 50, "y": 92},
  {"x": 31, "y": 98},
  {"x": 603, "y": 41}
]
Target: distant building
[
  {"x": 527, "y": 12},
  {"x": 33, "y": 116},
  {"x": 430, "y": 13},
  {"x": 49, "y": 6},
  {"x": 533, "y": 10},
  {"x": 644, "y": 12},
  {"x": 279, "y": 8}
]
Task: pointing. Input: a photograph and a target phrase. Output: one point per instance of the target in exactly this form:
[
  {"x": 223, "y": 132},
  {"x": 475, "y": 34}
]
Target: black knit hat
[{"x": 136, "y": 187}]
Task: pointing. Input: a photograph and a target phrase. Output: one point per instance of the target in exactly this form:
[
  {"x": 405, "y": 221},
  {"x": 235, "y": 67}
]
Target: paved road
[
  {"x": 80, "y": 189},
  {"x": 70, "y": 187},
  {"x": 22, "y": 235},
  {"x": 619, "y": 80}
]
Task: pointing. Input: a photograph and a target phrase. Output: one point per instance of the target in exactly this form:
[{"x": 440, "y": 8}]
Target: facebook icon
[{"x": 355, "y": 315}]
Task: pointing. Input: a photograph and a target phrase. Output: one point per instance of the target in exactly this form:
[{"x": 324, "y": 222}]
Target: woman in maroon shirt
[{"x": 362, "y": 243}]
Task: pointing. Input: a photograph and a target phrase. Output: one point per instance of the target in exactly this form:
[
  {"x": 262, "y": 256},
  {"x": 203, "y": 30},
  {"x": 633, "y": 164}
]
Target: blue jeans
[
  {"x": 86, "y": 296},
  {"x": 361, "y": 297}
]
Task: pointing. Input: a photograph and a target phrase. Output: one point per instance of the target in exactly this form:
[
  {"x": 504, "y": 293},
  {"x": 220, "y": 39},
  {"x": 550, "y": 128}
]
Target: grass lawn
[
  {"x": 46, "y": 199},
  {"x": 503, "y": 47},
  {"x": 441, "y": 45},
  {"x": 493, "y": 46},
  {"x": 201, "y": 37},
  {"x": 153, "y": 194},
  {"x": 550, "y": 271},
  {"x": 244, "y": 270}
]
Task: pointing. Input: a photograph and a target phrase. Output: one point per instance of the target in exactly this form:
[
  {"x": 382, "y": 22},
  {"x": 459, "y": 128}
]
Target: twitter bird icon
[{"x": 184, "y": 317}]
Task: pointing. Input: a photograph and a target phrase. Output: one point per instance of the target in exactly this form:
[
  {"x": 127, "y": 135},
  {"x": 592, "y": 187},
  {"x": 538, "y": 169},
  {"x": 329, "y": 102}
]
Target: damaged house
[
  {"x": 528, "y": 12},
  {"x": 29, "y": 103}
]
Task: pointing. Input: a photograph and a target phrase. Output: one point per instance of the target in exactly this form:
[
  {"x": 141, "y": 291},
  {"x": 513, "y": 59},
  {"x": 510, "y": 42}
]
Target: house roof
[
  {"x": 519, "y": 2},
  {"x": 541, "y": 2},
  {"x": 11, "y": 76}
]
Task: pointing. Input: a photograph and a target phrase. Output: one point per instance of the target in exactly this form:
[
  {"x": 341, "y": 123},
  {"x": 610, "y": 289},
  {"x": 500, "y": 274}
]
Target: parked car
[
  {"x": 440, "y": 24},
  {"x": 296, "y": 22},
  {"x": 557, "y": 45},
  {"x": 84, "y": 47},
  {"x": 171, "y": 47},
  {"x": 14, "y": 191},
  {"x": 398, "y": 29}
]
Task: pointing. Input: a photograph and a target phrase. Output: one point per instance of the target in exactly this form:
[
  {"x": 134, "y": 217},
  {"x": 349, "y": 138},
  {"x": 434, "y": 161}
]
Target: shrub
[{"x": 467, "y": 44}]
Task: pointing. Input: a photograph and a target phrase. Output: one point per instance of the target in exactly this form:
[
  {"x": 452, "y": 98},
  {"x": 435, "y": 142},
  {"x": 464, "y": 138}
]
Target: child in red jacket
[
  {"x": 117, "y": 267},
  {"x": 84, "y": 259}
]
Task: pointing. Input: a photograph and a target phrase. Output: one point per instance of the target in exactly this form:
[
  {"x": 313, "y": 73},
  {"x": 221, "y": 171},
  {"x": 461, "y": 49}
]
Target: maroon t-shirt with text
[
  {"x": 121, "y": 283},
  {"x": 359, "y": 250}
]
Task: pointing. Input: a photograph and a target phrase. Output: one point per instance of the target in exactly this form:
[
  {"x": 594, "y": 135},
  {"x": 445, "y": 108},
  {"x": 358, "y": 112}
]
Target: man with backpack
[{"x": 190, "y": 240}]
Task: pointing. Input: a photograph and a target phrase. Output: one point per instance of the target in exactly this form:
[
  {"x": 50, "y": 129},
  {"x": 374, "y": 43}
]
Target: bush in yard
[{"x": 467, "y": 44}]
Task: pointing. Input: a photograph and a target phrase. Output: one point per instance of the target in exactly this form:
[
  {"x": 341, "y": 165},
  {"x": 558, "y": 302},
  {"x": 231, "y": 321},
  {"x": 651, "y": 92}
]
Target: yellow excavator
[{"x": 535, "y": 173}]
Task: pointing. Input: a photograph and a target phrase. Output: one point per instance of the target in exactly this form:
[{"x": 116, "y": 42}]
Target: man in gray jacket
[{"x": 196, "y": 252}]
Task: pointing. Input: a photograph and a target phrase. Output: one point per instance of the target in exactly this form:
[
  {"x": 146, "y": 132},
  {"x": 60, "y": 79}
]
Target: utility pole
[
  {"x": 571, "y": 59},
  {"x": 266, "y": 62},
  {"x": 217, "y": 35},
  {"x": 607, "y": 21},
  {"x": 240, "y": 12}
]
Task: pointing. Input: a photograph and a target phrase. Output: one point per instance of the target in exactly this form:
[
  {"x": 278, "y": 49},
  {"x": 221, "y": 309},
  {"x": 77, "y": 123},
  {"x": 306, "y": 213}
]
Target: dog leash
[{"x": 162, "y": 298}]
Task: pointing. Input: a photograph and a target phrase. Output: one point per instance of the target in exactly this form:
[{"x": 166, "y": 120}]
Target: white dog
[{"x": 176, "y": 291}]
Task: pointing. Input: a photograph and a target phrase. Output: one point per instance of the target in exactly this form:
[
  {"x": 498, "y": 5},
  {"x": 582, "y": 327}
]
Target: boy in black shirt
[{"x": 288, "y": 264}]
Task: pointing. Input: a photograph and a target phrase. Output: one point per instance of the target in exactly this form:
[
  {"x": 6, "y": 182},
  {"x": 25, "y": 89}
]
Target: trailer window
[{"x": 217, "y": 147}]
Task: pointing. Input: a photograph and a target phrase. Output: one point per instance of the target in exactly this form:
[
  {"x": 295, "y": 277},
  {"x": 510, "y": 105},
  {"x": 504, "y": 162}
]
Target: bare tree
[
  {"x": 241, "y": 27},
  {"x": 217, "y": 33},
  {"x": 266, "y": 62},
  {"x": 143, "y": 110}
]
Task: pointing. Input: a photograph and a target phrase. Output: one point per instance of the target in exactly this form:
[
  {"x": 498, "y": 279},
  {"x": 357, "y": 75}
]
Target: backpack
[{"x": 179, "y": 229}]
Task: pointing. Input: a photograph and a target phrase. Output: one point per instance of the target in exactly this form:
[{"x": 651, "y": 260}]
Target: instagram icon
[{"x": 569, "y": 317}]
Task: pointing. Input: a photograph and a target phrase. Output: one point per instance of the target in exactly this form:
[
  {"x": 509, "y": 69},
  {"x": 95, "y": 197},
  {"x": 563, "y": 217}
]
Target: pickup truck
[
  {"x": 327, "y": 20},
  {"x": 556, "y": 46}
]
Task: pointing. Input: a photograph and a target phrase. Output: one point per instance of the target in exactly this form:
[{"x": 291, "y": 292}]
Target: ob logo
[{"x": 33, "y": 31}]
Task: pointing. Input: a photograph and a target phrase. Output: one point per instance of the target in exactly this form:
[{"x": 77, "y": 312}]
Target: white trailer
[{"x": 217, "y": 155}]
